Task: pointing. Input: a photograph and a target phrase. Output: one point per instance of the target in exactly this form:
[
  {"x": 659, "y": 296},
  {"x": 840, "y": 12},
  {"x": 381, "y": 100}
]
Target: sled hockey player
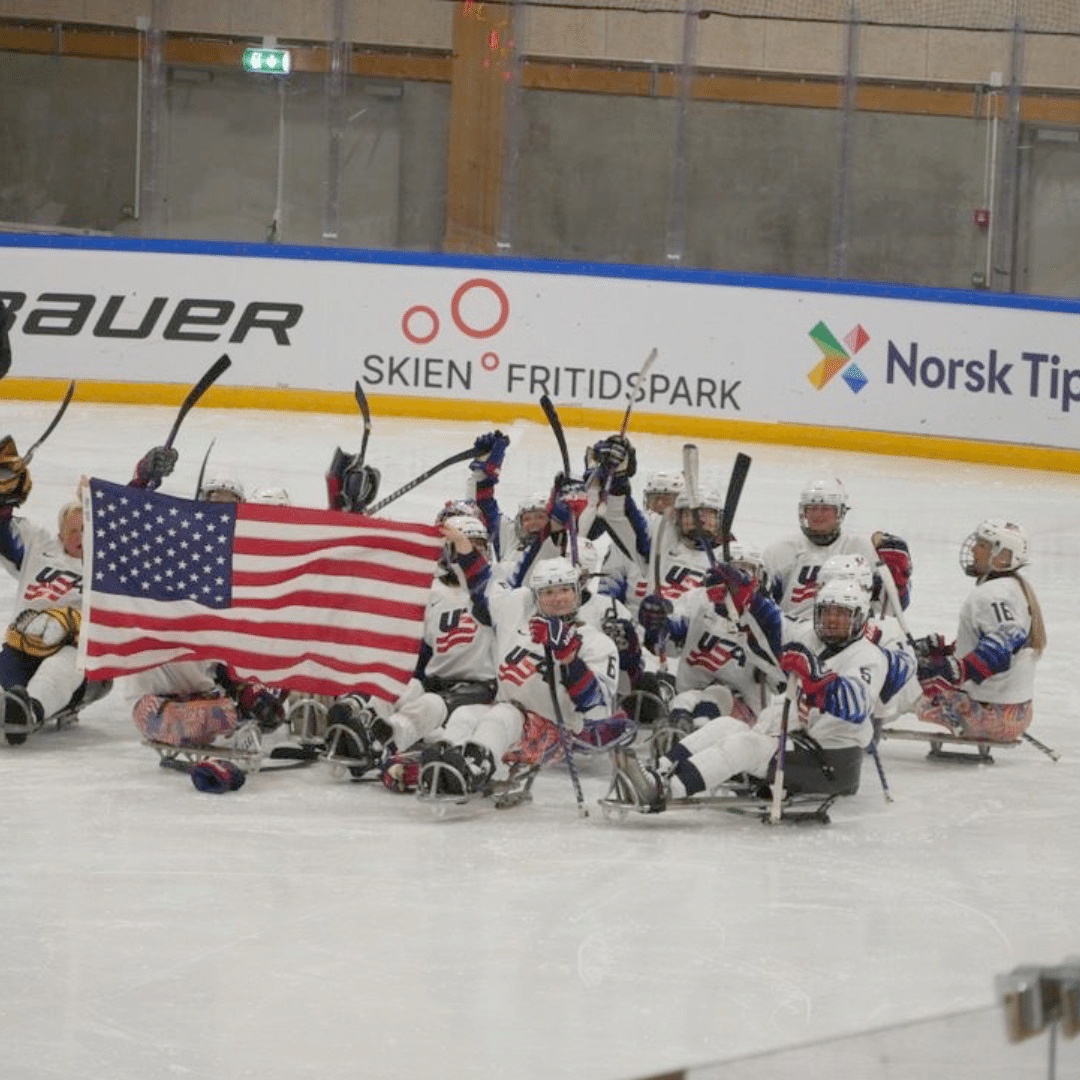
[
  {"x": 837, "y": 674},
  {"x": 535, "y": 628},
  {"x": 39, "y": 680},
  {"x": 455, "y": 667},
  {"x": 719, "y": 673},
  {"x": 793, "y": 565},
  {"x": 195, "y": 703},
  {"x": 981, "y": 685}
]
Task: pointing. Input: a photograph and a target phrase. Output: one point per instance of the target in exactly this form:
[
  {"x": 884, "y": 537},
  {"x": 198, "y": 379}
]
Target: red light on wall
[{"x": 982, "y": 218}]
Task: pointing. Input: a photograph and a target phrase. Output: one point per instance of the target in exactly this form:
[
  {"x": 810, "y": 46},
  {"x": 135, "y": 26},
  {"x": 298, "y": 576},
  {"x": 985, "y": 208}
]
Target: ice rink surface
[{"x": 311, "y": 927}]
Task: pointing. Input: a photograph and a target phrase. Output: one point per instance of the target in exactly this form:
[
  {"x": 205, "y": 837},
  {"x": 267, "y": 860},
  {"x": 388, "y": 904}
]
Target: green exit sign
[{"x": 269, "y": 61}]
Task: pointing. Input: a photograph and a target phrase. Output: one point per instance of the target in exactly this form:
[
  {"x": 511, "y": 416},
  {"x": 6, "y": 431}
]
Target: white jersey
[
  {"x": 998, "y": 607},
  {"x": 861, "y": 667},
  {"x": 48, "y": 577},
  {"x": 712, "y": 649},
  {"x": 457, "y": 645},
  {"x": 792, "y": 568},
  {"x": 521, "y": 663}
]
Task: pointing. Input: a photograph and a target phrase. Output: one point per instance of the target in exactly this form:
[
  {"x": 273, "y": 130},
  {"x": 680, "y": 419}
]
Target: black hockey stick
[
  {"x": 463, "y": 455},
  {"x": 55, "y": 420},
  {"x": 202, "y": 470},
  {"x": 731, "y": 500},
  {"x": 564, "y": 735},
  {"x": 7, "y": 320},
  {"x": 365, "y": 412},
  {"x": 196, "y": 392},
  {"x": 557, "y": 429}
]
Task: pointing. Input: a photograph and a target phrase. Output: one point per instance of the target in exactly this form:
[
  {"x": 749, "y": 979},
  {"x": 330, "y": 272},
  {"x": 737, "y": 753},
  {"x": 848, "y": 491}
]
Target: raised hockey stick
[
  {"x": 453, "y": 459},
  {"x": 631, "y": 397},
  {"x": 365, "y": 412},
  {"x": 202, "y": 470},
  {"x": 55, "y": 420},
  {"x": 196, "y": 392},
  {"x": 557, "y": 430},
  {"x": 731, "y": 500},
  {"x": 564, "y": 735},
  {"x": 776, "y": 809}
]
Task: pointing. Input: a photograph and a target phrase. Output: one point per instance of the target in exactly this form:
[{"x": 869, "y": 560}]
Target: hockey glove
[
  {"x": 350, "y": 486},
  {"x": 154, "y": 466},
  {"x": 614, "y": 456},
  {"x": 893, "y": 552},
  {"x": 568, "y": 500},
  {"x": 262, "y": 704},
  {"x": 490, "y": 450},
  {"x": 556, "y": 634},
  {"x": 940, "y": 672},
  {"x": 813, "y": 679},
  {"x": 622, "y": 632},
  {"x": 653, "y": 616},
  {"x": 725, "y": 578},
  {"x": 15, "y": 482}
]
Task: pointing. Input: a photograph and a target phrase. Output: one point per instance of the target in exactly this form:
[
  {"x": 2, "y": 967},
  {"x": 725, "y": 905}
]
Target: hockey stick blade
[
  {"x": 463, "y": 455},
  {"x": 55, "y": 420},
  {"x": 731, "y": 500},
  {"x": 365, "y": 412},
  {"x": 219, "y": 365},
  {"x": 202, "y": 470},
  {"x": 556, "y": 426}
]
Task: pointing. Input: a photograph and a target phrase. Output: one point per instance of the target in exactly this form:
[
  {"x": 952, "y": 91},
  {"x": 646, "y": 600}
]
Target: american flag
[{"x": 311, "y": 600}]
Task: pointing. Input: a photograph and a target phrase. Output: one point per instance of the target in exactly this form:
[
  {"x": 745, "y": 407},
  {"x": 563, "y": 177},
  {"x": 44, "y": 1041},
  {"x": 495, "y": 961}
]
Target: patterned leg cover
[
  {"x": 959, "y": 713},
  {"x": 541, "y": 744},
  {"x": 184, "y": 721}
]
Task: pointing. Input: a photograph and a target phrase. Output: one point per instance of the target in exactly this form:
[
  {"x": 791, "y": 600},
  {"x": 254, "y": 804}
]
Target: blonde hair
[
  {"x": 67, "y": 508},
  {"x": 1037, "y": 634}
]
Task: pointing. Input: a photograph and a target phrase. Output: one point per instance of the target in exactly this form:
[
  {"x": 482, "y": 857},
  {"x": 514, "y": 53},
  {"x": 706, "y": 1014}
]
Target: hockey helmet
[
  {"x": 528, "y": 522},
  {"x": 701, "y": 520},
  {"x": 271, "y": 496},
  {"x": 1005, "y": 546},
  {"x": 822, "y": 492},
  {"x": 854, "y": 567},
  {"x": 457, "y": 508},
  {"x": 222, "y": 489},
  {"x": 747, "y": 558},
  {"x": 551, "y": 574},
  {"x": 590, "y": 558},
  {"x": 661, "y": 489},
  {"x": 475, "y": 532},
  {"x": 840, "y": 610}
]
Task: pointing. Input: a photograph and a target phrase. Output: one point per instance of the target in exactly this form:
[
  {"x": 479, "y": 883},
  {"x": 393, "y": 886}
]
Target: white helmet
[
  {"x": 549, "y": 573},
  {"x": 823, "y": 493},
  {"x": 537, "y": 501},
  {"x": 272, "y": 496},
  {"x": 855, "y": 568},
  {"x": 457, "y": 508},
  {"x": 847, "y": 595},
  {"x": 227, "y": 484},
  {"x": 663, "y": 483},
  {"x": 475, "y": 531},
  {"x": 748, "y": 558},
  {"x": 707, "y": 523},
  {"x": 1008, "y": 547}
]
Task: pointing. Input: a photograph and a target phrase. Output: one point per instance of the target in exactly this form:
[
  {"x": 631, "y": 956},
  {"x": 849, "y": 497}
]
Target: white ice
[{"x": 307, "y": 926}]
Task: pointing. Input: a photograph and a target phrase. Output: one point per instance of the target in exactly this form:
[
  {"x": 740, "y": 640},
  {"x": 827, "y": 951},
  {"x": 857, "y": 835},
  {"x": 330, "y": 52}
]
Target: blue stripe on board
[{"x": 505, "y": 264}]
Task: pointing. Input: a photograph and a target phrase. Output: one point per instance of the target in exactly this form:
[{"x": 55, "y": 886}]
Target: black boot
[{"x": 21, "y": 715}]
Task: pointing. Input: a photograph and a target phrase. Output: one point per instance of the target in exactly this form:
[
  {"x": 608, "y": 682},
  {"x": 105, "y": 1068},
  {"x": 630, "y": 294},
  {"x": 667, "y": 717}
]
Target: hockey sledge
[
  {"x": 949, "y": 747},
  {"x": 811, "y": 786},
  {"x": 504, "y": 794},
  {"x": 17, "y": 731}
]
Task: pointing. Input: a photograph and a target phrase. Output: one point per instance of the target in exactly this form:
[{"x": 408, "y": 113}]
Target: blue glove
[
  {"x": 489, "y": 450},
  {"x": 613, "y": 456}
]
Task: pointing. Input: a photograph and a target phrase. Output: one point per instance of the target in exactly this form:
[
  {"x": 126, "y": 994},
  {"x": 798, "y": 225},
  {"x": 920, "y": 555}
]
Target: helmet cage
[
  {"x": 844, "y": 595},
  {"x": 1005, "y": 543},
  {"x": 823, "y": 493},
  {"x": 552, "y": 574}
]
